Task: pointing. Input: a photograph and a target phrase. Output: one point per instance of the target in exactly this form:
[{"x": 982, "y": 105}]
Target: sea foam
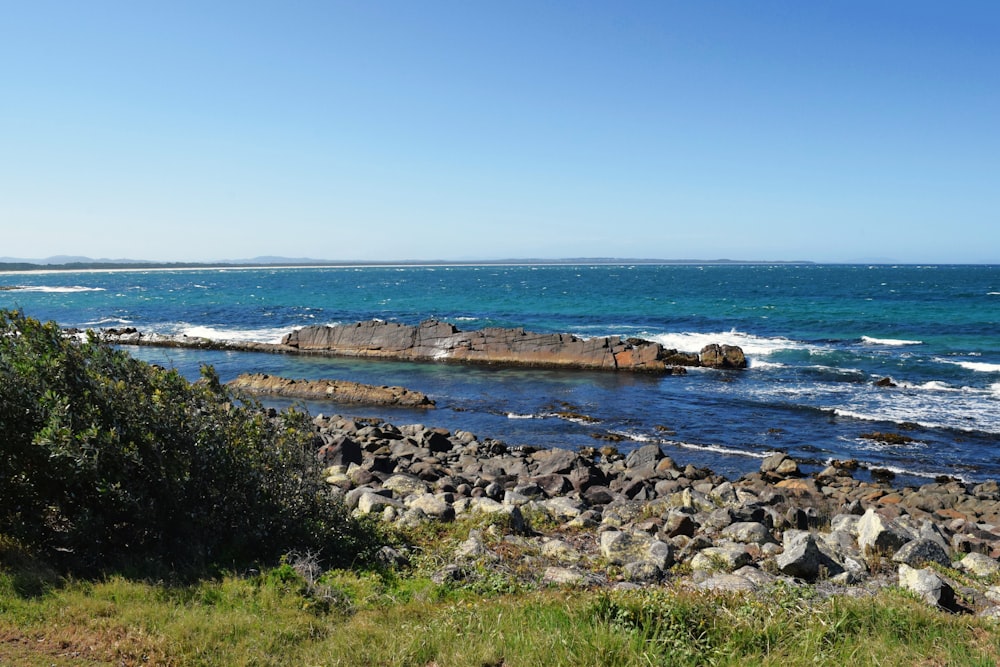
[
  {"x": 890, "y": 342},
  {"x": 270, "y": 335},
  {"x": 48, "y": 289},
  {"x": 977, "y": 366},
  {"x": 751, "y": 345},
  {"x": 719, "y": 449}
]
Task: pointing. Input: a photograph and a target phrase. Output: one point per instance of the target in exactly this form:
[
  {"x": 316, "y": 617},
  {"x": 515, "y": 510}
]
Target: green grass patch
[{"x": 275, "y": 618}]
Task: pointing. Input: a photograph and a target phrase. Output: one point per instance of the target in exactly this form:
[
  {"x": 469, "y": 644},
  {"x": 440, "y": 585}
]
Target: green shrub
[{"x": 109, "y": 462}]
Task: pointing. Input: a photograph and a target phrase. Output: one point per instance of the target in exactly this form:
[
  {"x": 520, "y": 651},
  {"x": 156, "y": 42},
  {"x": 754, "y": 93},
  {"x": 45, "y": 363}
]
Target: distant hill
[
  {"x": 69, "y": 259},
  {"x": 70, "y": 263}
]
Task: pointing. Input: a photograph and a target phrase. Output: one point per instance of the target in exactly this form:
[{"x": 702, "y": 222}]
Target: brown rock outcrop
[
  {"x": 331, "y": 390},
  {"x": 439, "y": 341},
  {"x": 722, "y": 356},
  {"x": 434, "y": 340}
]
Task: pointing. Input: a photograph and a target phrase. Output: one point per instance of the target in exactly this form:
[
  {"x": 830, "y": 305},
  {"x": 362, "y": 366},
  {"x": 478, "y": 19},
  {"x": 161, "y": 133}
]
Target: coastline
[
  {"x": 116, "y": 267},
  {"x": 600, "y": 519},
  {"x": 472, "y": 264}
]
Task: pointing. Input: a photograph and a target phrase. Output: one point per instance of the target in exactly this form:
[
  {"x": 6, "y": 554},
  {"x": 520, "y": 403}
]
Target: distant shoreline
[
  {"x": 98, "y": 267},
  {"x": 10, "y": 268},
  {"x": 26, "y": 268}
]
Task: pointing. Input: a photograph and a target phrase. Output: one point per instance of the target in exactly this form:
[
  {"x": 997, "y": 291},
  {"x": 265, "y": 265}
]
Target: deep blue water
[{"x": 817, "y": 336}]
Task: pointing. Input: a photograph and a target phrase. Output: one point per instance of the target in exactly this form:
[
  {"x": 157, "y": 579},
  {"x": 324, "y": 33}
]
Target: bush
[{"x": 109, "y": 462}]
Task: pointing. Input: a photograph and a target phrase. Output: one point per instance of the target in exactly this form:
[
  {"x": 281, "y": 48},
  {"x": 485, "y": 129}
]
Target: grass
[
  {"x": 295, "y": 614},
  {"x": 273, "y": 618}
]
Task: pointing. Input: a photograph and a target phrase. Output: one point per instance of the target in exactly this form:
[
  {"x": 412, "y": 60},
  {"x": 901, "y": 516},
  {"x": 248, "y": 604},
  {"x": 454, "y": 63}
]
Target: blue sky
[{"x": 841, "y": 131}]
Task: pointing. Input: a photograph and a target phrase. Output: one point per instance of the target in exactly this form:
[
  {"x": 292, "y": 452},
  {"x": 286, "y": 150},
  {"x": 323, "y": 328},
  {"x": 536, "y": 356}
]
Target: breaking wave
[
  {"x": 48, "y": 289},
  {"x": 890, "y": 342}
]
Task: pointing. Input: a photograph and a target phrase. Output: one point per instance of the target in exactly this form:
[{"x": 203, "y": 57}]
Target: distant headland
[{"x": 74, "y": 263}]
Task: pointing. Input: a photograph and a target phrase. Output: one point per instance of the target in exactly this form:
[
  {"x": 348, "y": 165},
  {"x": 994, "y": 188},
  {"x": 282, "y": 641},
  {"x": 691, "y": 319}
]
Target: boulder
[
  {"x": 748, "y": 532},
  {"x": 339, "y": 451},
  {"x": 433, "y": 506},
  {"x": 721, "y": 558},
  {"x": 599, "y": 495},
  {"x": 585, "y": 476},
  {"x": 922, "y": 551},
  {"x": 474, "y": 548},
  {"x": 371, "y": 502},
  {"x": 642, "y": 571},
  {"x": 554, "y": 461},
  {"x": 722, "y": 356},
  {"x": 552, "y": 484},
  {"x": 803, "y": 558},
  {"x": 877, "y": 533},
  {"x": 569, "y": 576},
  {"x": 979, "y": 564},
  {"x": 927, "y": 585},
  {"x": 406, "y": 485},
  {"x": 779, "y": 464},
  {"x": 560, "y": 551},
  {"x": 679, "y": 523},
  {"x": 620, "y": 548},
  {"x": 563, "y": 508},
  {"x": 726, "y": 582},
  {"x": 352, "y": 497},
  {"x": 647, "y": 454},
  {"x": 692, "y": 499}
]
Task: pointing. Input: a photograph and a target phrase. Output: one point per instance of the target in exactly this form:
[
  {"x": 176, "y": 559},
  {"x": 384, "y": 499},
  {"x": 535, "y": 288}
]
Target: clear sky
[{"x": 385, "y": 130}]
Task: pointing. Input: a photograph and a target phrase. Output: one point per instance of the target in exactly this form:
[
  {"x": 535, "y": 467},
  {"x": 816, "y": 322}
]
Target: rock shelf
[
  {"x": 439, "y": 341},
  {"x": 340, "y": 391}
]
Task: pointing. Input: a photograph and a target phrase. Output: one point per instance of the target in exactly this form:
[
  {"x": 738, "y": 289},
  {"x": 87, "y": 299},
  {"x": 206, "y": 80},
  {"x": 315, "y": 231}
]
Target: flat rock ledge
[
  {"x": 339, "y": 391},
  {"x": 596, "y": 518},
  {"x": 439, "y": 341},
  {"x": 433, "y": 340}
]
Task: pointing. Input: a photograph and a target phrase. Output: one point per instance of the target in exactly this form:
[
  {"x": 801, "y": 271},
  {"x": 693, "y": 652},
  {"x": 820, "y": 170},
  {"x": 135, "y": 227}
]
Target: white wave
[
  {"x": 752, "y": 345},
  {"x": 514, "y": 415},
  {"x": 918, "y": 473},
  {"x": 869, "y": 340},
  {"x": 637, "y": 437},
  {"x": 108, "y": 320},
  {"x": 995, "y": 389},
  {"x": 977, "y": 366},
  {"x": 762, "y": 365},
  {"x": 873, "y": 417},
  {"x": 719, "y": 449},
  {"x": 926, "y": 411},
  {"x": 47, "y": 289},
  {"x": 571, "y": 418},
  {"x": 933, "y": 385},
  {"x": 865, "y": 444},
  {"x": 273, "y": 335},
  {"x": 993, "y": 293}
]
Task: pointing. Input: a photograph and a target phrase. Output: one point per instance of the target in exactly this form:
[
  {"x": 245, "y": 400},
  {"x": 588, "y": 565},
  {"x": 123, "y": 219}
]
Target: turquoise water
[{"x": 817, "y": 337}]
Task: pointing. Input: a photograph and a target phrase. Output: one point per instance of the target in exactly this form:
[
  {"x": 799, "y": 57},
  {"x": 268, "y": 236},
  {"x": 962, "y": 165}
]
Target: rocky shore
[
  {"x": 439, "y": 341},
  {"x": 596, "y": 518}
]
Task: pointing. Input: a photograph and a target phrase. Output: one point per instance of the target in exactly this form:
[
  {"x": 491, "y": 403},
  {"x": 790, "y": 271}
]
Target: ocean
[{"x": 817, "y": 337}]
